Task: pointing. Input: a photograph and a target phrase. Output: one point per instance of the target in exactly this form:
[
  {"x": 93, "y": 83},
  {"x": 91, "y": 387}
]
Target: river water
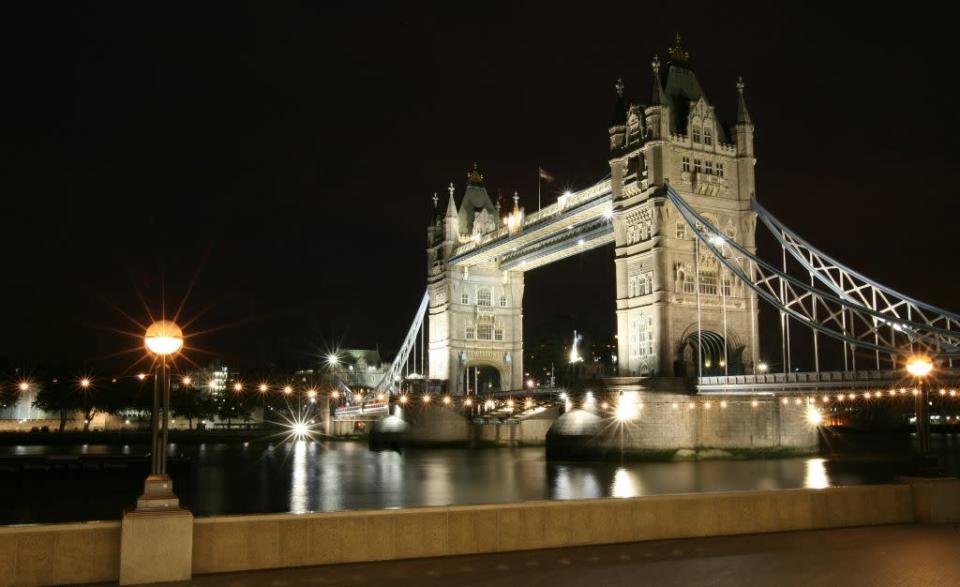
[{"x": 305, "y": 476}]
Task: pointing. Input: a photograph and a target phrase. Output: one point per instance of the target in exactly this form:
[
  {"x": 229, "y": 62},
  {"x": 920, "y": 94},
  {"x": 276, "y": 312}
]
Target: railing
[
  {"x": 551, "y": 212},
  {"x": 363, "y": 411},
  {"x": 807, "y": 380}
]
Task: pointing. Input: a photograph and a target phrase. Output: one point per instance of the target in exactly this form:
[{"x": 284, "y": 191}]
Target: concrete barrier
[
  {"x": 80, "y": 553},
  {"x": 237, "y": 543},
  {"x": 58, "y": 554}
]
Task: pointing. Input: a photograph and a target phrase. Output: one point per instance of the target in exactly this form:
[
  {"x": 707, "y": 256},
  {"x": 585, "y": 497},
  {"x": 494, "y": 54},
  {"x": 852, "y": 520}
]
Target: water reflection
[
  {"x": 308, "y": 476},
  {"x": 625, "y": 484},
  {"x": 298, "y": 479},
  {"x": 816, "y": 474}
]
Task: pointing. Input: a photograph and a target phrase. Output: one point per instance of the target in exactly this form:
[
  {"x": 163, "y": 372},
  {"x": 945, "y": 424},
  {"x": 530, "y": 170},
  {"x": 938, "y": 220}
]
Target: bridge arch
[{"x": 708, "y": 346}]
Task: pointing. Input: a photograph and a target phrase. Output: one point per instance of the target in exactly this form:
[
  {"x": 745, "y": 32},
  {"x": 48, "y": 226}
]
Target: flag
[{"x": 545, "y": 175}]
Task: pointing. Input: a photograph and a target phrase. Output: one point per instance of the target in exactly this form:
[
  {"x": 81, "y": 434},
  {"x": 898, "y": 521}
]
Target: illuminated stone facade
[
  {"x": 475, "y": 314},
  {"x": 661, "y": 281}
]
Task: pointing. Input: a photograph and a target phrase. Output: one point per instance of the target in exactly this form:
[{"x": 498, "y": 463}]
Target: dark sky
[{"x": 285, "y": 154}]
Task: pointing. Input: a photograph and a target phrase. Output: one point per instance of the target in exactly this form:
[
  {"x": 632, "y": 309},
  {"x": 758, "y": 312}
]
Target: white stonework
[
  {"x": 678, "y": 313},
  {"x": 679, "y": 141},
  {"x": 476, "y": 314}
]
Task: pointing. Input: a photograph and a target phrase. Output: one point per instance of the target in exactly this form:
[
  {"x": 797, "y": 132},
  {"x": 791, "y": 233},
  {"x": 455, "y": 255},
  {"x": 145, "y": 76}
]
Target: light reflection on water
[
  {"x": 306, "y": 475},
  {"x": 816, "y": 474}
]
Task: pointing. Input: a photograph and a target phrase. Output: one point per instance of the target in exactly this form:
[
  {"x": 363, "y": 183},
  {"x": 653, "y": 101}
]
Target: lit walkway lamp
[
  {"x": 156, "y": 538},
  {"x": 164, "y": 339},
  {"x": 920, "y": 367}
]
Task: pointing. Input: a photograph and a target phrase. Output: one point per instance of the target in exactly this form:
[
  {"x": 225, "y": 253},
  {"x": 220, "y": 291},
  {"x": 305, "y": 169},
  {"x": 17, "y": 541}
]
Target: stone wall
[
  {"x": 89, "y": 552},
  {"x": 678, "y": 423}
]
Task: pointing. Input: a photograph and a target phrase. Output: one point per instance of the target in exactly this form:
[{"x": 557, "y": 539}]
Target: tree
[
  {"x": 234, "y": 405},
  {"x": 8, "y": 396},
  {"x": 58, "y": 396},
  {"x": 192, "y": 404}
]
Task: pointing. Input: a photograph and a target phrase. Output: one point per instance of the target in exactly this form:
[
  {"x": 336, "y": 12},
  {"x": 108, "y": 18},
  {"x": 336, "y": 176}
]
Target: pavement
[{"x": 909, "y": 555}]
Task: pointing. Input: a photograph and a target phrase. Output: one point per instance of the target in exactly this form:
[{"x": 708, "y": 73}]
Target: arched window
[
  {"x": 484, "y": 331},
  {"x": 707, "y": 136},
  {"x": 483, "y": 296},
  {"x": 696, "y": 134}
]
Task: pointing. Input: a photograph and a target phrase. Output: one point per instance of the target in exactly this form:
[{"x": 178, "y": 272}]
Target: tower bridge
[{"x": 680, "y": 206}]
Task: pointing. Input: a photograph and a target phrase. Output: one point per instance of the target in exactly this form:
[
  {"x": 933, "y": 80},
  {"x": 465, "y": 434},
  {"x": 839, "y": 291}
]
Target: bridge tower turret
[
  {"x": 678, "y": 311},
  {"x": 475, "y": 314}
]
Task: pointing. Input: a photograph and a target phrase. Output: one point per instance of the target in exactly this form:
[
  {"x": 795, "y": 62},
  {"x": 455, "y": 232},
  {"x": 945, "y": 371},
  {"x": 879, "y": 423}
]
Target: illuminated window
[
  {"x": 696, "y": 166},
  {"x": 464, "y": 298},
  {"x": 483, "y": 297},
  {"x": 707, "y": 136},
  {"x": 686, "y": 164},
  {"x": 484, "y": 331},
  {"x": 645, "y": 336},
  {"x": 696, "y": 134},
  {"x": 708, "y": 283}
]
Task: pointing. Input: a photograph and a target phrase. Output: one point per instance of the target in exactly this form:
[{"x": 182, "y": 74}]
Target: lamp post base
[
  {"x": 158, "y": 495},
  {"x": 156, "y": 538}
]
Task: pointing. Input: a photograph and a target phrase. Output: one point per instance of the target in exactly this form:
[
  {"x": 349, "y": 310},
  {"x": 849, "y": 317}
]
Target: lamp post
[
  {"x": 164, "y": 339},
  {"x": 920, "y": 367},
  {"x": 156, "y": 539}
]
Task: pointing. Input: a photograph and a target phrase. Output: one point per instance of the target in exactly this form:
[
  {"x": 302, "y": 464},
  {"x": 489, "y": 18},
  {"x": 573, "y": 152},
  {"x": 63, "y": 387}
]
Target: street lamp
[
  {"x": 164, "y": 339},
  {"x": 920, "y": 366}
]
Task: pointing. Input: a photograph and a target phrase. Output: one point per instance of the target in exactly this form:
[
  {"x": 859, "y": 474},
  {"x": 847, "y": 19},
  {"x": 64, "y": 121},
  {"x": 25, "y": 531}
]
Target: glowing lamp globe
[
  {"x": 919, "y": 366},
  {"x": 163, "y": 337}
]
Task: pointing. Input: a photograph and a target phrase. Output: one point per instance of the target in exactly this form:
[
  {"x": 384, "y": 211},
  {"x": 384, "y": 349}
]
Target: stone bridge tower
[
  {"x": 475, "y": 315},
  {"x": 677, "y": 139}
]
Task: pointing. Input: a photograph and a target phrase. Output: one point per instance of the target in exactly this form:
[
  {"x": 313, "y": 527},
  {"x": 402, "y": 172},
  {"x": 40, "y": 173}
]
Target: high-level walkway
[{"x": 914, "y": 555}]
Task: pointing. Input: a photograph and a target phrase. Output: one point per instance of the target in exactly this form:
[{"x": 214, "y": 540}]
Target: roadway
[{"x": 911, "y": 555}]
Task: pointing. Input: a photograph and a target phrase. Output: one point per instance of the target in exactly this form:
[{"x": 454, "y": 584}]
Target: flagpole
[{"x": 538, "y": 188}]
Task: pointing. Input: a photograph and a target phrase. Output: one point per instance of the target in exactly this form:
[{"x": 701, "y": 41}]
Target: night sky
[{"x": 282, "y": 158}]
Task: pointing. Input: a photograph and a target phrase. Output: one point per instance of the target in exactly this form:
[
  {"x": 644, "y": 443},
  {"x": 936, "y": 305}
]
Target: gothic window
[
  {"x": 645, "y": 336},
  {"x": 498, "y": 334},
  {"x": 469, "y": 333},
  {"x": 483, "y": 296},
  {"x": 635, "y": 338},
  {"x": 720, "y": 169},
  {"x": 465, "y": 298},
  {"x": 696, "y": 134},
  {"x": 646, "y": 284},
  {"x": 696, "y": 166},
  {"x": 503, "y": 301},
  {"x": 484, "y": 331},
  {"x": 708, "y": 167},
  {"x": 727, "y": 286},
  {"x": 686, "y": 164},
  {"x": 708, "y": 283},
  {"x": 707, "y": 136},
  {"x": 681, "y": 229}
]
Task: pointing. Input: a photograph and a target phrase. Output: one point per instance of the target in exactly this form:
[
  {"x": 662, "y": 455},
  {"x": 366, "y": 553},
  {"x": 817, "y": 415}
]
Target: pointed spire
[
  {"x": 475, "y": 177},
  {"x": 620, "y": 107},
  {"x": 743, "y": 115},
  {"x": 436, "y": 200},
  {"x": 678, "y": 54},
  {"x": 656, "y": 96},
  {"x": 451, "y": 204},
  {"x": 516, "y": 201}
]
